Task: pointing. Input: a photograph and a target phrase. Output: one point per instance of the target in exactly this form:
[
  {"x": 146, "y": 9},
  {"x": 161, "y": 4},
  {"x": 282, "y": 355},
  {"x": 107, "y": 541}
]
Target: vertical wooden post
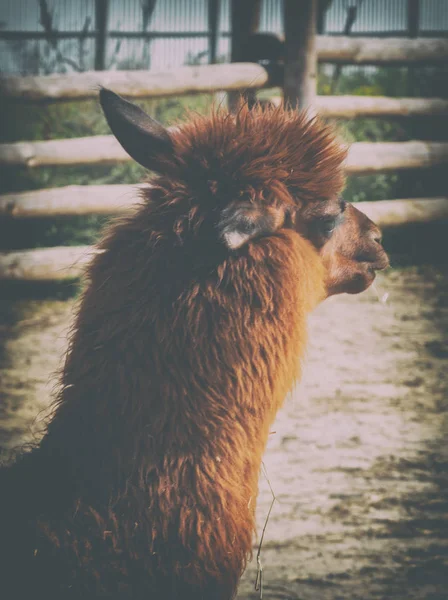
[
  {"x": 322, "y": 6},
  {"x": 148, "y": 7},
  {"x": 213, "y": 23},
  {"x": 350, "y": 19},
  {"x": 300, "y": 52},
  {"x": 245, "y": 18},
  {"x": 413, "y": 21},
  {"x": 413, "y": 18},
  {"x": 101, "y": 14}
]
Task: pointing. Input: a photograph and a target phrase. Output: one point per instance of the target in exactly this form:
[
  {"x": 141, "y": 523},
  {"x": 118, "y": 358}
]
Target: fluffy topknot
[{"x": 264, "y": 148}]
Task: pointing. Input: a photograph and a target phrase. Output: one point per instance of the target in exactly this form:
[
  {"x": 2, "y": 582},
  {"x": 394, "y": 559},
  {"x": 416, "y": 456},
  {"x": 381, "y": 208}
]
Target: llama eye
[{"x": 327, "y": 226}]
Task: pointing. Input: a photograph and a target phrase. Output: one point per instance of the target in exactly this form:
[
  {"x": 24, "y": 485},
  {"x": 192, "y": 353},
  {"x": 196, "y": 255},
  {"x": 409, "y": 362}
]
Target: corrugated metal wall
[{"x": 179, "y": 28}]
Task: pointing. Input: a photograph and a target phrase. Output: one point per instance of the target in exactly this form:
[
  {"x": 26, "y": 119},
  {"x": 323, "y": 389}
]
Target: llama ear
[
  {"x": 143, "y": 138},
  {"x": 241, "y": 222}
]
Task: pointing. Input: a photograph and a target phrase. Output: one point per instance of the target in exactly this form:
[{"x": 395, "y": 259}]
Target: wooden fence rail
[
  {"x": 209, "y": 78},
  {"x": 394, "y": 213},
  {"x": 364, "y": 157},
  {"x": 45, "y": 264},
  {"x": 380, "y": 157},
  {"x": 349, "y": 107},
  {"x": 381, "y": 51},
  {"x": 70, "y": 200},
  {"x": 94, "y": 150},
  {"x": 136, "y": 84},
  {"x": 61, "y": 263}
]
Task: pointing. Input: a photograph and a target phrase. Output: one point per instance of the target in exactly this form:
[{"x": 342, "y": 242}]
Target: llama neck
[{"x": 205, "y": 374}]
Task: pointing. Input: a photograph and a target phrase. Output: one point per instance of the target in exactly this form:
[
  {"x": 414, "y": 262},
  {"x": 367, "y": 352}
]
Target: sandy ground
[{"x": 357, "y": 459}]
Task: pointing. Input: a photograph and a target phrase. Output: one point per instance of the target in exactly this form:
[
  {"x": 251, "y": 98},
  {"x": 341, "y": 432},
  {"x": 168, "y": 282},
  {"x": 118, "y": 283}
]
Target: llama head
[{"x": 238, "y": 177}]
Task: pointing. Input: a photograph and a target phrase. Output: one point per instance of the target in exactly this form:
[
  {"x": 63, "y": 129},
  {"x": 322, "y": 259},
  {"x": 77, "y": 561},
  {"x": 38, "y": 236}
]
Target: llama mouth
[
  {"x": 370, "y": 274},
  {"x": 381, "y": 264}
]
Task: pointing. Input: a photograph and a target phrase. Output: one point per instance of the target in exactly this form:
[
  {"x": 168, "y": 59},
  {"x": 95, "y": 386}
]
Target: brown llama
[{"x": 188, "y": 337}]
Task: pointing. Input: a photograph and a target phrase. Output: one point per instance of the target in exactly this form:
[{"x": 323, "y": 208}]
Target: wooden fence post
[
  {"x": 413, "y": 19},
  {"x": 213, "y": 26},
  {"x": 101, "y": 14},
  {"x": 322, "y": 7},
  {"x": 148, "y": 7},
  {"x": 300, "y": 52},
  {"x": 245, "y": 18}
]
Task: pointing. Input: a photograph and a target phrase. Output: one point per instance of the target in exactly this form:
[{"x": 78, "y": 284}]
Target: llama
[{"x": 189, "y": 335}]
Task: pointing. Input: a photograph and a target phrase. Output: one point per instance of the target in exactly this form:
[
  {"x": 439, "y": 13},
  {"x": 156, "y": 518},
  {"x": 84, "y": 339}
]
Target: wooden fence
[{"x": 68, "y": 262}]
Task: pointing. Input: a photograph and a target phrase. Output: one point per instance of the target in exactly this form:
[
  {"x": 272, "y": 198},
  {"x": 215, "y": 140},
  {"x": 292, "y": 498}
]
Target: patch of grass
[
  {"x": 14, "y": 291},
  {"x": 42, "y": 233}
]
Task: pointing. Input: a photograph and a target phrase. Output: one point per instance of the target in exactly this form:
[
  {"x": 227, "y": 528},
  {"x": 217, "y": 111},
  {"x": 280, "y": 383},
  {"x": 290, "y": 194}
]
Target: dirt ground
[{"x": 357, "y": 459}]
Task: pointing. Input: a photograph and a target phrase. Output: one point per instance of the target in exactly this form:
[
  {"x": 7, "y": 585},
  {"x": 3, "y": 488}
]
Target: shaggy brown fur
[{"x": 145, "y": 484}]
